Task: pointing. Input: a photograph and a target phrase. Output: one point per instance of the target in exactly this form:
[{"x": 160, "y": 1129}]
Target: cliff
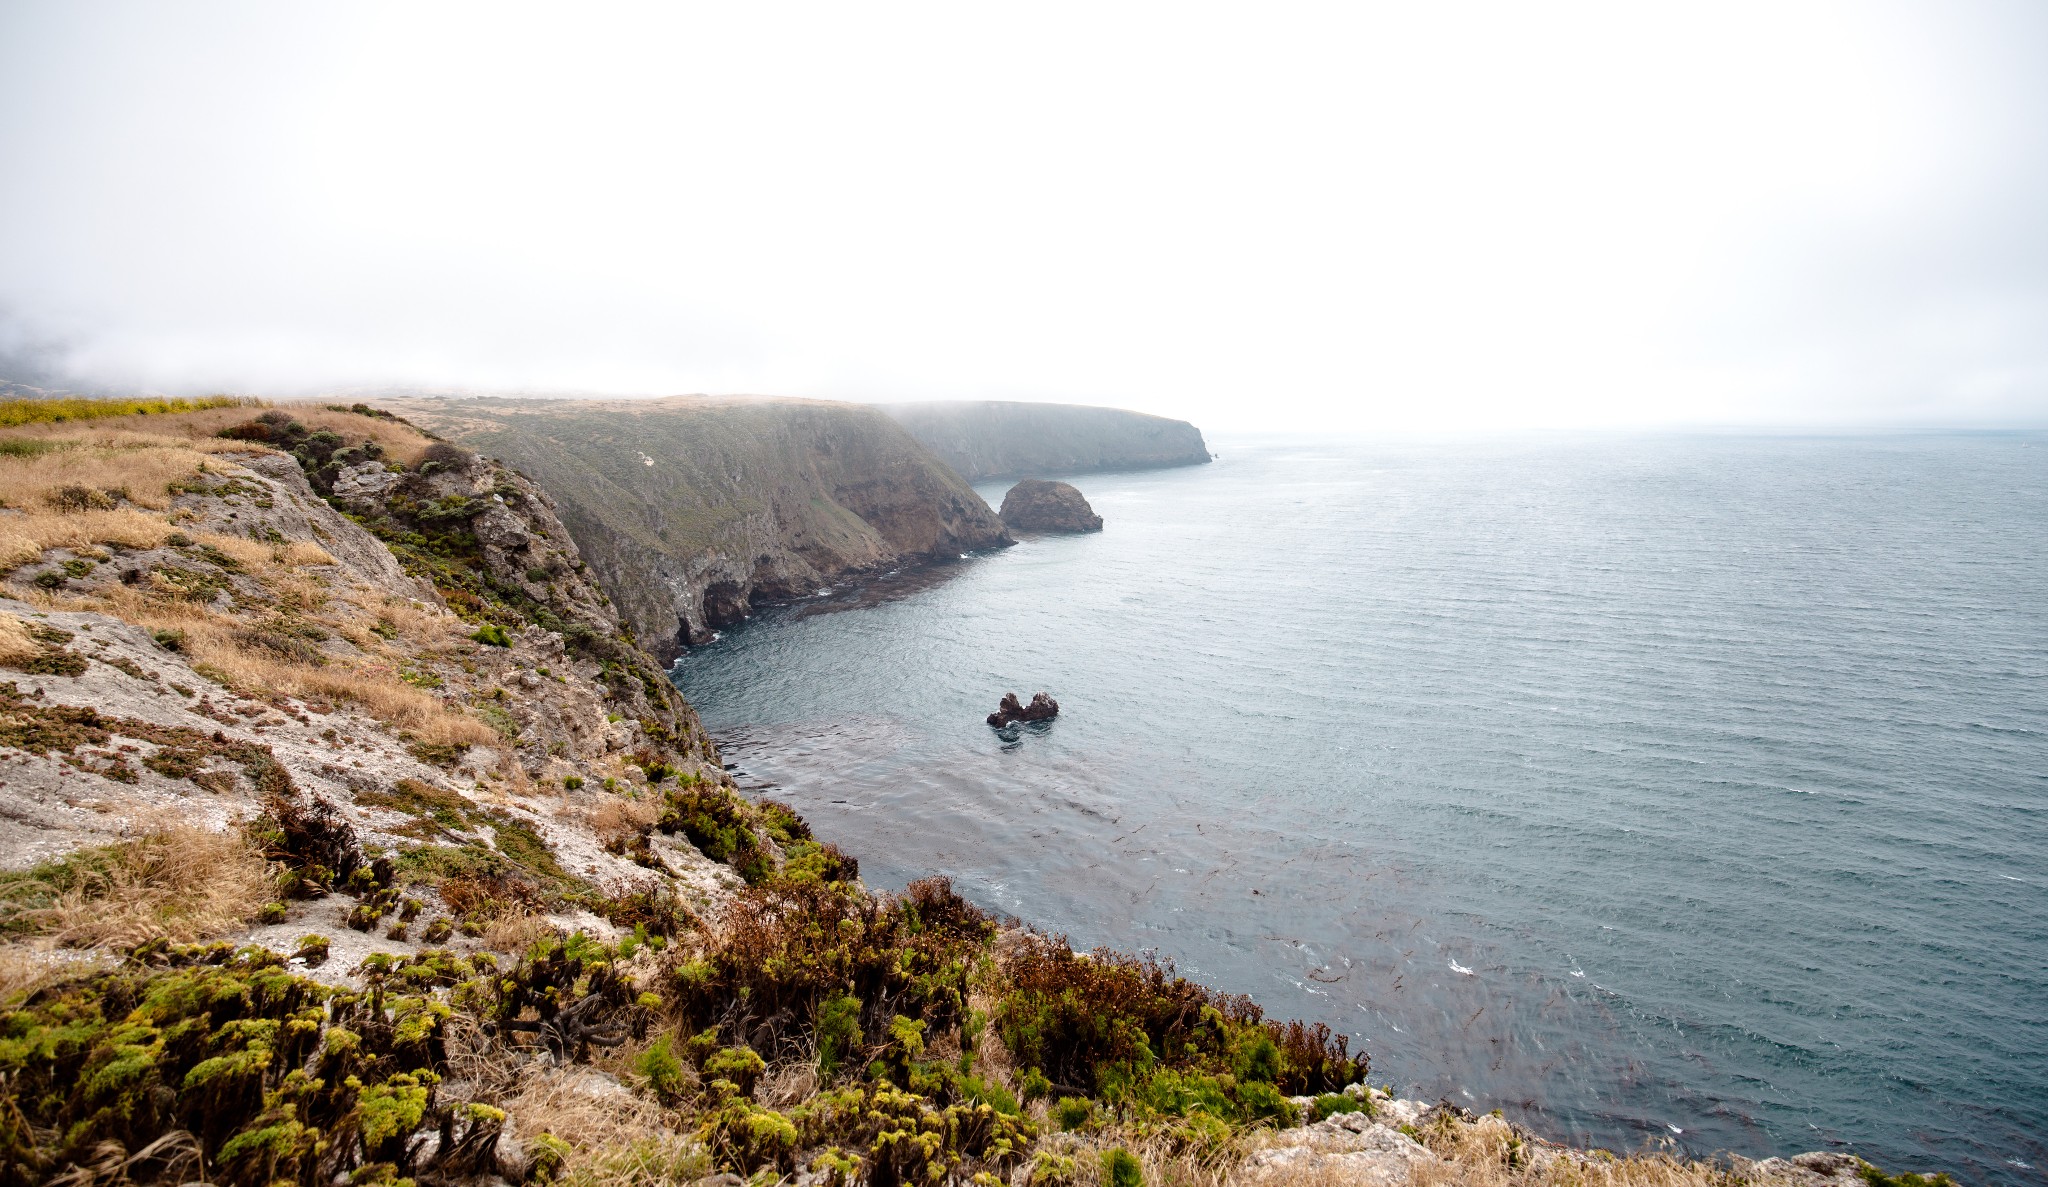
[
  {"x": 346, "y": 837},
  {"x": 690, "y": 510},
  {"x": 995, "y": 439}
]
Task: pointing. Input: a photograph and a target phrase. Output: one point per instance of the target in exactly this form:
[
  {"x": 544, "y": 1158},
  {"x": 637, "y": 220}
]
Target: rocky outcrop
[
  {"x": 1010, "y": 709},
  {"x": 690, "y": 511},
  {"x": 1035, "y": 505},
  {"x": 986, "y": 439}
]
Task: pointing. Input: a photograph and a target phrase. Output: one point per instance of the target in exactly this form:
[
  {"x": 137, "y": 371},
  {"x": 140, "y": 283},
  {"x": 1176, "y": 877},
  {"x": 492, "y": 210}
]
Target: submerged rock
[
  {"x": 1010, "y": 709},
  {"x": 1035, "y": 505}
]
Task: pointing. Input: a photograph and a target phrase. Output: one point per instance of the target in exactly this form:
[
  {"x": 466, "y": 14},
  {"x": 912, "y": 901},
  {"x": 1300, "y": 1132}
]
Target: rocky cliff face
[
  {"x": 691, "y": 510},
  {"x": 996, "y": 439},
  {"x": 326, "y": 613}
]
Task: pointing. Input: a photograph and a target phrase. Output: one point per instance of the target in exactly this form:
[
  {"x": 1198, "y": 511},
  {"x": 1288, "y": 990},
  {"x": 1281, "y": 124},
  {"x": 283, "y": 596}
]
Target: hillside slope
[
  {"x": 692, "y": 509},
  {"x": 984, "y": 439}
]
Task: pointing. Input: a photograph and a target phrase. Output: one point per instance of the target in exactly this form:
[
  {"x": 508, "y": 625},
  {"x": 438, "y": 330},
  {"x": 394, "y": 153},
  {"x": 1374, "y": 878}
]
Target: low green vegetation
[{"x": 59, "y": 409}]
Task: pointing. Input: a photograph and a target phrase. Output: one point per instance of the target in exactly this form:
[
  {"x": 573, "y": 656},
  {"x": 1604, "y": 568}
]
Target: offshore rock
[
  {"x": 1041, "y": 708},
  {"x": 1035, "y": 505}
]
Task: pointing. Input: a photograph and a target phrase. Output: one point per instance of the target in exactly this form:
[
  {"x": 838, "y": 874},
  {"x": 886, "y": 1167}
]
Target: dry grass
[
  {"x": 268, "y": 559},
  {"x": 1487, "y": 1152},
  {"x": 418, "y": 625},
  {"x": 1166, "y": 1163},
  {"x": 196, "y": 430},
  {"x": 617, "y": 1138},
  {"x": 617, "y": 821},
  {"x": 27, "y": 967},
  {"x": 15, "y": 643},
  {"x": 143, "y": 473},
  {"x": 582, "y": 1107},
  {"x": 176, "y": 882},
  {"x": 215, "y": 641},
  {"x": 517, "y": 931},
  {"x": 24, "y": 538}
]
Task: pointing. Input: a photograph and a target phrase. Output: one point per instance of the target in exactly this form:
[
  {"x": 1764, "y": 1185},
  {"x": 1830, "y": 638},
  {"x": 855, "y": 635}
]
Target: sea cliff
[
  {"x": 692, "y": 509},
  {"x": 346, "y": 836},
  {"x": 983, "y": 439}
]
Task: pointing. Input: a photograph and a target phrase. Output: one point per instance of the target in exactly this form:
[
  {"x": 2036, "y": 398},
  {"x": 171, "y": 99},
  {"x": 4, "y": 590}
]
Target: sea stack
[
  {"x": 1035, "y": 505},
  {"x": 1041, "y": 708}
]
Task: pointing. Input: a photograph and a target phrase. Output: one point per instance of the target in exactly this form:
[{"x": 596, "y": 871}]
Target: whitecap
[
  {"x": 1578, "y": 972},
  {"x": 1672, "y": 1128},
  {"x": 1459, "y": 968}
]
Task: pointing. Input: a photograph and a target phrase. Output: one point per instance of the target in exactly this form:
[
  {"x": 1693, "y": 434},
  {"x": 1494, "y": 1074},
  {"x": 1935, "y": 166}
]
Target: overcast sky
[{"x": 1415, "y": 215}]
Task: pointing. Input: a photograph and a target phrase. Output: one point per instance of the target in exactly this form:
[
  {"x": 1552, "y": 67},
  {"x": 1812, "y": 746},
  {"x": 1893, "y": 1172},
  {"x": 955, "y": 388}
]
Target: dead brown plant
[
  {"x": 515, "y": 932},
  {"x": 15, "y": 643},
  {"x": 175, "y": 882}
]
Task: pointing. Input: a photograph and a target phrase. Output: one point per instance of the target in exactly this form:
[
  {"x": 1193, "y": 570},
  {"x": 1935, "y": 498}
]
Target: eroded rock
[
  {"x": 1010, "y": 709},
  {"x": 1035, "y": 505}
]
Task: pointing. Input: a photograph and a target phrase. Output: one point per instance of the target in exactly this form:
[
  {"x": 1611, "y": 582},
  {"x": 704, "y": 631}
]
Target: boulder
[
  {"x": 1041, "y": 708},
  {"x": 1035, "y": 505}
]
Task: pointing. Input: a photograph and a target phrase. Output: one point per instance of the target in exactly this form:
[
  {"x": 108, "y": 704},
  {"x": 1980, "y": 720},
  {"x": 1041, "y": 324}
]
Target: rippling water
[{"x": 1663, "y": 789}]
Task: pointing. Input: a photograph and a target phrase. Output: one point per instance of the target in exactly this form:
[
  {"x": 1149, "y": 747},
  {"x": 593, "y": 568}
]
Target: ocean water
[{"x": 1684, "y": 792}]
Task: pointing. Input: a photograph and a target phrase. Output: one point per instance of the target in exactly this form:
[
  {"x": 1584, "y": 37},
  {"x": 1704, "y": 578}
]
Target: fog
[{"x": 1262, "y": 216}]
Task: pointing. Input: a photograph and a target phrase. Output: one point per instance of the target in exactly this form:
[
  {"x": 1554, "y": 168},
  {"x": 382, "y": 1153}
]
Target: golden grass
[
  {"x": 24, "y": 538},
  {"x": 196, "y": 430},
  {"x": 517, "y": 931},
  {"x": 143, "y": 472},
  {"x": 27, "y": 967},
  {"x": 176, "y": 882},
  {"x": 616, "y": 1138},
  {"x": 266, "y": 558},
  {"x": 15, "y": 643},
  {"x": 62, "y": 409},
  {"x": 218, "y": 644}
]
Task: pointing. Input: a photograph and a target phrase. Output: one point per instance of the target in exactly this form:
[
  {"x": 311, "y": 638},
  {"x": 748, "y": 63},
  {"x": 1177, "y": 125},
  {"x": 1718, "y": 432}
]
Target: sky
[{"x": 1349, "y": 217}]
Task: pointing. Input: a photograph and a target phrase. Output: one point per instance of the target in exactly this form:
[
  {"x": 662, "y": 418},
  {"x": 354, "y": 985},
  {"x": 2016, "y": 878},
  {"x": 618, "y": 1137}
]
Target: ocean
[{"x": 1669, "y": 792}]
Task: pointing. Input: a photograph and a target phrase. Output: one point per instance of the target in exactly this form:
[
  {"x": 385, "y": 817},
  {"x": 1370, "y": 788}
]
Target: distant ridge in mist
[{"x": 984, "y": 439}]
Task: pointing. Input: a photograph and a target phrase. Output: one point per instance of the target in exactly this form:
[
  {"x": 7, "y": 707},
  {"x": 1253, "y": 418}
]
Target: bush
[
  {"x": 1101, "y": 1024},
  {"x": 1120, "y": 1169},
  {"x": 664, "y": 1072},
  {"x": 1329, "y": 1104},
  {"x": 492, "y": 635},
  {"x": 837, "y": 1027},
  {"x": 1073, "y": 1112}
]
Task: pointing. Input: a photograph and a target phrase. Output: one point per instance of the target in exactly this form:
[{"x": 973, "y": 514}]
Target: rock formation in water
[
  {"x": 1035, "y": 505},
  {"x": 691, "y": 510},
  {"x": 1010, "y": 709},
  {"x": 986, "y": 439}
]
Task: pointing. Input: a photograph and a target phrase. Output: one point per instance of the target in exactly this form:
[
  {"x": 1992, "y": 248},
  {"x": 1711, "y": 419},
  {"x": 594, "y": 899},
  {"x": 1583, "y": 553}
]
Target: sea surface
[{"x": 1683, "y": 792}]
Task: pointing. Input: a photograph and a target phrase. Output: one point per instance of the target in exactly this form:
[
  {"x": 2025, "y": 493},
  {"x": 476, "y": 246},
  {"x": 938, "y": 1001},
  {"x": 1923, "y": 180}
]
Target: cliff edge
[
  {"x": 983, "y": 439},
  {"x": 692, "y": 509}
]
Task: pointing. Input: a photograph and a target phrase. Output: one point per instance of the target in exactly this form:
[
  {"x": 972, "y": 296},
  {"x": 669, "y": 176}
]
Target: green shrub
[
  {"x": 492, "y": 635},
  {"x": 1120, "y": 1168},
  {"x": 1034, "y": 1084},
  {"x": 1073, "y": 1112},
  {"x": 1329, "y": 1104},
  {"x": 664, "y": 1072},
  {"x": 837, "y": 1027}
]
